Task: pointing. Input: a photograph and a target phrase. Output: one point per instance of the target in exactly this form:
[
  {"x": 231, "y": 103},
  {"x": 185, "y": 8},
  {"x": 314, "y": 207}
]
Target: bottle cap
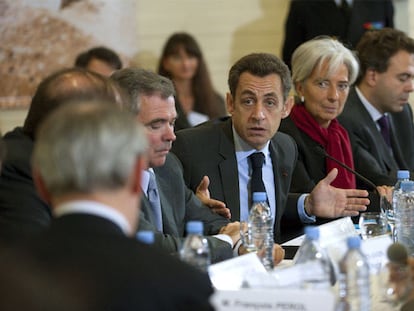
[
  {"x": 259, "y": 196},
  {"x": 403, "y": 174},
  {"x": 194, "y": 227},
  {"x": 146, "y": 237},
  {"x": 354, "y": 242},
  {"x": 312, "y": 232},
  {"x": 407, "y": 186}
]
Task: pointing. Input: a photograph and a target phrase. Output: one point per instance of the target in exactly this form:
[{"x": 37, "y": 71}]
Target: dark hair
[
  {"x": 376, "y": 47},
  {"x": 102, "y": 53},
  {"x": 260, "y": 64},
  {"x": 206, "y": 98},
  {"x": 69, "y": 85}
]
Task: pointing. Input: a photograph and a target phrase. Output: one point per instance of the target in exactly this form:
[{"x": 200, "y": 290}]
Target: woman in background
[{"x": 196, "y": 100}]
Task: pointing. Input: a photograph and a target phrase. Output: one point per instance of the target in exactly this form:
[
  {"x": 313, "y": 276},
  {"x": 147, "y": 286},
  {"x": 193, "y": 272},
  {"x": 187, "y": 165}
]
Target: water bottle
[
  {"x": 146, "y": 237},
  {"x": 318, "y": 271},
  {"x": 195, "y": 249},
  {"x": 354, "y": 277},
  {"x": 404, "y": 216},
  {"x": 260, "y": 229},
  {"x": 402, "y": 175}
]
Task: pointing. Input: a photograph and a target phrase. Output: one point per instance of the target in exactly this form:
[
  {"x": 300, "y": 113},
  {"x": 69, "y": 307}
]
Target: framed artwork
[{"x": 39, "y": 37}]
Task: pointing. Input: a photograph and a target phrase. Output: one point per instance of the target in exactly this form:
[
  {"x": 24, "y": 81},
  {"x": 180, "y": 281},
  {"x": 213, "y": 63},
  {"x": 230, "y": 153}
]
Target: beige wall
[{"x": 225, "y": 29}]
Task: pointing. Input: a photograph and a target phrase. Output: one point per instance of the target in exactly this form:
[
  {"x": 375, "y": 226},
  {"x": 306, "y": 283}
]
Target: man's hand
[
  {"x": 216, "y": 206},
  {"x": 330, "y": 202},
  {"x": 232, "y": 230}
]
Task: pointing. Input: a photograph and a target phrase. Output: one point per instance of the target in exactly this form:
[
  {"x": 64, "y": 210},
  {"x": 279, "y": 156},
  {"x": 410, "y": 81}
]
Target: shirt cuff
[
  {"x": 225, "y": 238},
  {"x": 303, "y": 216}
]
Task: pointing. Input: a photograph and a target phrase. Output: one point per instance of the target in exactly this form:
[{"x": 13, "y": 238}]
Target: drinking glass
[
  {"x": 388, "y": 210},
  {"x": 372, "y": 224}
]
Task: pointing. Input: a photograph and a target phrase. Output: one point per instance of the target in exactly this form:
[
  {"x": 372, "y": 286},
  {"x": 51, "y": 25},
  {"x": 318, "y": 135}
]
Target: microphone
[
  {"x": 397, "y": 253},
  {"x": 323, "y": 153}
]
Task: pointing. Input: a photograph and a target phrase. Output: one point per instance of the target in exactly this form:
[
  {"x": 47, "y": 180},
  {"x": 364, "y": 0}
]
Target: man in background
[
  {"x": 377, "y": 115},
  {"x": 22, "y": 212},
  {"x": 346, "y": 20},
  {"x": 100, "y": 60}
]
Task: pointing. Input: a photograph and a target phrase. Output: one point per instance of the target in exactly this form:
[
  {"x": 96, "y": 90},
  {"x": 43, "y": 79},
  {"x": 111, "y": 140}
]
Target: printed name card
[
  {"x": 375, "y": 249},
  {"x": 273, "y": 299},
  {"x": 230, "y": 274}
]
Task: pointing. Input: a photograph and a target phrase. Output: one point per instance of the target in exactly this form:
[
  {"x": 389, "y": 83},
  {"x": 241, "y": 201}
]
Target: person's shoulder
[{"x": 209, "y": 127}]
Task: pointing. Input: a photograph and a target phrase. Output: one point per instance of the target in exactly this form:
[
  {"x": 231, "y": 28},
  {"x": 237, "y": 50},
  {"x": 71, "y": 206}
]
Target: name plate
[
  {"x": 230, "y": 274},
  {"x": 276, "y": 299}
]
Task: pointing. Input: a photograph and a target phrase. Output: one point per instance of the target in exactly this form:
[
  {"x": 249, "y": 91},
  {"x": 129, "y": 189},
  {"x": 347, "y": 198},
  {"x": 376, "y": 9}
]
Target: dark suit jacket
[
  {"x": 311, "y": 167},
  {"x": 371, "y": 155},
  {"x": 310, "y": 18},
  {"x": 209, "y": 150},
  {"x": 114, "y": 272},
  {"x": 179, "y": 205},
  {"x": 22, "y": 212}
]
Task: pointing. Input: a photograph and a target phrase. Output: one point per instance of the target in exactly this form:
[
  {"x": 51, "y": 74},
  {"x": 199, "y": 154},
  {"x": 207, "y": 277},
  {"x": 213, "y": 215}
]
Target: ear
[
  {"x": 287, "y": 107},
  {"x": 40, "y": 186},
  {"x": 371, "y": 76},
  {"x": 229, "y": 103},
  {"x": 299, "y": 88}
]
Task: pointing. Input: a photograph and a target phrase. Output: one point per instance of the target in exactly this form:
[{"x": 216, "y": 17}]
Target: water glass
[{"x": 372, "y": 224}]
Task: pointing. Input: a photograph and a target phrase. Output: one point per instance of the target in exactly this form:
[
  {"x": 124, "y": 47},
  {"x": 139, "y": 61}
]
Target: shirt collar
[
  {"x": 145, "y": 179},
  {"x": 373, "y": 112},
  {"x": 243, "y": 149},
  {"x": 93, "y": 208}
]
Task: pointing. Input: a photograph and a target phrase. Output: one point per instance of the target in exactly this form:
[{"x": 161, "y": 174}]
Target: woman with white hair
[{"x": 322, "y": 71}]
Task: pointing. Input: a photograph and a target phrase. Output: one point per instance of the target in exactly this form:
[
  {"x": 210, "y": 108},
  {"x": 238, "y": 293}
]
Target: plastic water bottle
[
  {"x": 195, "y": 249},
  {"x": 402, "y": 175},
  {"x": 146, "y": 237},
  {"x": 260, "y": 229},
  {"x": 404, "y": 216},
  {"x": 318, "y": 271},
  {"x": 354, "y": 289}
]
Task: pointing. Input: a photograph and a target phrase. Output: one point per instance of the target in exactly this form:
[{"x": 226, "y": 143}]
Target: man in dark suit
[
  {"x": 381, "y": 92},
  {"x": 152, "y": 100},
  {"x": 258, "y": 99},
  {"x": 345, "y": 19},
  {"x": 22, "y": 212},
  {"x": 88, "y": 161}
]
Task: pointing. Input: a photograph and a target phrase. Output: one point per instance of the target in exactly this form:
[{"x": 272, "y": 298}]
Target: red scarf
[{"x": 334, "y": 139}]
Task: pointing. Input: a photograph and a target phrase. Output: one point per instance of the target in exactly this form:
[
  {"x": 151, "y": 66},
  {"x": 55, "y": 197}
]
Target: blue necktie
[{"x": 154, "y": 199}]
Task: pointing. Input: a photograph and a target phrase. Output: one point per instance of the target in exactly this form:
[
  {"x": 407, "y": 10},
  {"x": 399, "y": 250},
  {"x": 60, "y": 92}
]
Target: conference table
[{"x": 265, "y": 294}]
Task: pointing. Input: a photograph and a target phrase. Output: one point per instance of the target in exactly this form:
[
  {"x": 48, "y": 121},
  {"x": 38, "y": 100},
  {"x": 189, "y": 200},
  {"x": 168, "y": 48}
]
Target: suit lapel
[
  {"x": 228, "y": 169},
  {"x": 385, "y": 154}
]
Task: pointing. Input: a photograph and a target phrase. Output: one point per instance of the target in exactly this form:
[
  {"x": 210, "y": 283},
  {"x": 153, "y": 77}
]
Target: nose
[
  {"x": 410, "y": 86},
  {"x": 258, "y": 112},
  {"x": 333, "y": 93},
  {"x": 169, "y": 134}
]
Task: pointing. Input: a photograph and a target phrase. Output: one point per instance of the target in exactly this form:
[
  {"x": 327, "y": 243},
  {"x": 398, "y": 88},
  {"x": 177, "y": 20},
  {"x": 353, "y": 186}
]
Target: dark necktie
[
  {"x": 385, "y": 129},
  {"x": 256, "y": 181},
  {"x": 154, "y": 199}
]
